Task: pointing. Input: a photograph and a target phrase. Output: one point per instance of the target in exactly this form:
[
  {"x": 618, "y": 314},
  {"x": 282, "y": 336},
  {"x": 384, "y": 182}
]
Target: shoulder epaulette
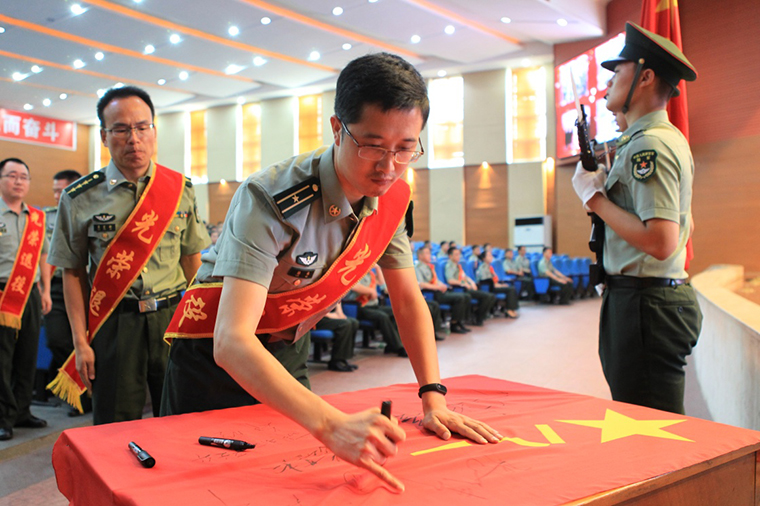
[
  {"x": 85, "y": 183},
  {"x": 188, "y": 182},
  {"x": 297, "y": 197},
  {"x": 49, "y": 209}
]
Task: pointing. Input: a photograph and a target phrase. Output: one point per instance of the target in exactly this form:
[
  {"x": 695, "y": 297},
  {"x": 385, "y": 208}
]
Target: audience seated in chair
[
  {"x": 521, "y": 270},
  {"x": 556, "y": 278},
  {"x": 456, "y": 277},
  {"x": 486, "y": 276},
  {"x": 344, "y": 330},
  {"x": 428, "y": 280}
]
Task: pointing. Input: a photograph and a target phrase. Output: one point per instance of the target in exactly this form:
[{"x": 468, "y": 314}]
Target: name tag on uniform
[
  {"x": 300, "y": 273},
  {"x": 105, "y": 227}
]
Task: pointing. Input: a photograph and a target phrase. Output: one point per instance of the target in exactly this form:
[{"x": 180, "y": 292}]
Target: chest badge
[
  {"x": 103, "y": 218},
  {"x": 644, "y": 164},
  {"x": 307, "y": 258},
  {"x": 334, "y": 210}
]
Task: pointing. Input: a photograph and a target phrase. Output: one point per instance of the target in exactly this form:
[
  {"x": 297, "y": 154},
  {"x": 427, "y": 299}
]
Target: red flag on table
[{"x": 661, "y": 17}]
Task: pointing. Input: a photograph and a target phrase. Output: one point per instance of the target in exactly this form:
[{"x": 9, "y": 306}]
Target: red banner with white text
[{"x": 29, "y": 128}]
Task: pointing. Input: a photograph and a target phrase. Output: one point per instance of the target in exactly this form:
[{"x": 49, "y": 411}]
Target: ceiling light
[
  {"x": 99, "y": 55},
  {"x": 137, "y": 1},
  {"x": 241, "y": 100},
  {"x": 449, "y": 30},
  {"x": 337, "y": 11},
  {"x": 441, "y": 73},
  {"x": 149, "y": 49},
  {"x": 175, "y": 38},
  {"x": 161, "y": 82},
  {"x": 265, "y": 20},
  {"x": 101, "y": 92},
  {"x": 347, "y": 46},
  {"x": 525, "y": 62},
  {"x": 259, "y": 61},
  {"x": 233, "y": 69},
  {"x": 77, "y": 9},
  {"x": 506, "y": 20},
  {"x": 28, "y": 107},
  {"x": 2, "y": 29},
  {"x": 63, "y": 96},
  {"x": 314, "y": 56},
  {"x": 415, "y": 39},
  {"x": 233, "y": 31},
  {"x": 46, "y": 102},
  {"x": 36, "y": 69},
  {"x": 372, "y": 1},
  {"x": 118, "y": 85},
  {"x": 562, "y": 22},
  {"x": 78, "y": 64},
  {"x": 18, "y": 76},
  {"x": 184, "y": 75}
]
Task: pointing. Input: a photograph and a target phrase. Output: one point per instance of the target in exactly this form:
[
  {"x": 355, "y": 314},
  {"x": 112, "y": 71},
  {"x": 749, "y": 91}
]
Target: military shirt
[
  {"x": 484, "y": 272},
  {"x": 544, "y": 267},
  {"x": 94, "y": 208},
  {"x": 452, "y": 272},
  {"x": 11, "y": 229},
  {"x": 652, "y": 178},
  {"x": 424, "y": 273},
  {"x": 365, "y": 281},
  {"x": 511, "y": 265},
  {"x": 51, "y": 213},
  {"x": 287, "y": 225},
  {"x": 523, "y": 263}
]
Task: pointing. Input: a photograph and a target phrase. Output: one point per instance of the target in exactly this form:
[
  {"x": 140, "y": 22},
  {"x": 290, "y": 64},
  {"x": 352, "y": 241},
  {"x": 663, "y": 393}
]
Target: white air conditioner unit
[{"x": 533, "y": 232}]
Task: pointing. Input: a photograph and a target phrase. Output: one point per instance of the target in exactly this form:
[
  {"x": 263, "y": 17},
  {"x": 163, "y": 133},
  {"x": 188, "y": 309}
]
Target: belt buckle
[{"x": 148, "y": 305}]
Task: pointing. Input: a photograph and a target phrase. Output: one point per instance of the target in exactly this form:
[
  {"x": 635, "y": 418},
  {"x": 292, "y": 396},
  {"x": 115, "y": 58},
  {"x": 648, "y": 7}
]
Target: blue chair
[
  {"x": 351, "y": 309},
  {"x": 440, "y": 269},
  {"x": 470, "y": 268},
  {"x": 498, "y": 267},
  {"x": 498, "y": 253},
  {"x": 541, "y": 283},
  {"x": 320, "y": 339}
]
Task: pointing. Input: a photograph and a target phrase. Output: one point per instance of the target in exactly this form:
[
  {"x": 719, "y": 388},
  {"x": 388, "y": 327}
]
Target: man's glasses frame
[{"x": 375, "y": 153}]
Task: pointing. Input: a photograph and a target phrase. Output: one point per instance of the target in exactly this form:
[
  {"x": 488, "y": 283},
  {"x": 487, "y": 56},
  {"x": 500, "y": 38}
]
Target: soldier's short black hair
[
  {"x": 14, "y": 160},
  {"x": 123, "y": 92},
  {"x": 452, "y": 250},
  {"x": 68, "y": 175},
  {"x": 381, "y": 79}
]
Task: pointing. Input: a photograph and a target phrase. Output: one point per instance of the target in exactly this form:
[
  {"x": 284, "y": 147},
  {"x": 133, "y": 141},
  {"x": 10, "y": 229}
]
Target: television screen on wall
[{"x": 591, "y": 82}]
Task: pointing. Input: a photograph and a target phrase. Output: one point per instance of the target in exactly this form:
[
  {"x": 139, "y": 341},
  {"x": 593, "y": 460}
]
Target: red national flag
[{"x": 661, "y": 17}]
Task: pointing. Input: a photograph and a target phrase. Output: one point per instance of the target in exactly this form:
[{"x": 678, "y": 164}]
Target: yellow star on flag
[
  {"x": 664, "y": 5},
  {"x": 617, "y": 426}
]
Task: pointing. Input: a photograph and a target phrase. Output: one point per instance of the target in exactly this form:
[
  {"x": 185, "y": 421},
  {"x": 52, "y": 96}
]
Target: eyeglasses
[
  {"x": 375, "y": 154},
  {"x": 122, "y": 132},
  {"x": 17, "y": 177}
]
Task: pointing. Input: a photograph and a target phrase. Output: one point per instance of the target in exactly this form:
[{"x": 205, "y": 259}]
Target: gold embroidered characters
[
  {"x": 142, "y": 226},
  {"x": 306, "y": 304},
  {"x": 26, "y": 260},
  {"x": 121, "y": 262},
  {"x": 95, "y": 301},
  {"x": 34, "y": 238},
  {"x": 18, "y": 284},
  {"x": 352, "y": 264},
  {"x": 193, "y": 310}
]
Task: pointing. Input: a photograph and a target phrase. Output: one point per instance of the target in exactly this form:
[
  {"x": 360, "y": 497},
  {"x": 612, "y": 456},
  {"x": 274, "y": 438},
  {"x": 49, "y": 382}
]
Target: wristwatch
[{"x": 432, "y": 387}]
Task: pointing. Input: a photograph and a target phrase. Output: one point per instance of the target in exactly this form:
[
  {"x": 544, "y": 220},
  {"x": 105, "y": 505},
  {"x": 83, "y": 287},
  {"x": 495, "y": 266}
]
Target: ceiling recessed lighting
[
  {"x": 347, "y": 46},
  {"x": 18, "y": 76},
  {"x": 449, "y": 30},
  {"x": 506, "y": 20},
  {"x": 46, "y": 102},
  {"x": 259, "y": 61},
  {"x": 314, "y": 56},
  {"x": 101, "y": 92},
  {"x": 161, "y": 82},
  {"x": 78, "y": 64},
  {"x": 175, "y": 38},
  {"x": 233, "y": 31},
  {"x": 241, "y": 100},
  {"x": 149, "y": 49},
  {"x": 415, "y": 39},
  {"x": 99, "y": 55},
  {"x": 441, "y": 73},
  {"x": 265, "y": 20},
  {"x": 525, "y": 62},
  {"x": 372, "y": 1},
  {"x": 118, "y": 85},
  {"x": 36, "y": 69},
  {"x": 137, "y": 1},
  {"x": 184, "y": 75},
  {"x": 233, "y": 69},
  {"x": 337, "y": 11},
  {"x": 63, "y": 96},
  {"x": 77, "y": 9},
  {"x": 562, "y": 22},
  {"x": 28, "y": 107},
  {"x": 2, "y": 29}
]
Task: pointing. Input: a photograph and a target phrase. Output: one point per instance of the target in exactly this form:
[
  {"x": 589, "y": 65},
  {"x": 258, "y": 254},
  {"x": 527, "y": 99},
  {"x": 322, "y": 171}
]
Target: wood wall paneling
[
  {"x": 219, "y": 198},
  {"x": 421, "y": 198},
  {"x": 486, "y": 205}
]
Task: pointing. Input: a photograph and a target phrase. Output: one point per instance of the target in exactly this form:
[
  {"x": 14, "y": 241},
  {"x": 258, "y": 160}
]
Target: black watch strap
[{"x": 432, "y": 387}]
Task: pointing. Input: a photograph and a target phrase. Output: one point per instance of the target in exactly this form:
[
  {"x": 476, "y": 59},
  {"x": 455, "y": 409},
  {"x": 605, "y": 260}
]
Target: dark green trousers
[
  {"x": 645, "y": 336},
  {"x": 344, "y": 331},
  {"x": 195, "y": 383},
  {"x": 459, "y": 302},
  {"x": 57, "y": 328},
  {"x": 18, "y": 363},
  {"x": 130, "y": 352}
]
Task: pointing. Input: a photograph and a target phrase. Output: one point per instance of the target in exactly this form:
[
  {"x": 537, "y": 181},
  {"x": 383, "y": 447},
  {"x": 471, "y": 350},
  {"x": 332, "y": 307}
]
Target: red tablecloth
[{"x": 558, "y": 447}]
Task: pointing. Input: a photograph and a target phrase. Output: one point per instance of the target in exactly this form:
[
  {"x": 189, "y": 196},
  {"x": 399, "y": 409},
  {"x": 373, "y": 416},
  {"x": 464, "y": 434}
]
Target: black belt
[
  {"x": 148, "y": 305},
  {"x": 631, "y": 282}
]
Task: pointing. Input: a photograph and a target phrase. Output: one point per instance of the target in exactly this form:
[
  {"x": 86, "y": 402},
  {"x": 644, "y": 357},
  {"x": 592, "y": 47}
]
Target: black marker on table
[
  {"x": 144, "y": 457},
  {"x": 231, "y": 444},
  {"x": 385, "y": 409}
]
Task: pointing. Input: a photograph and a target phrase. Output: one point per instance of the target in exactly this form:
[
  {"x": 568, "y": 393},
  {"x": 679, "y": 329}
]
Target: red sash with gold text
[
  {"x": 20, "y": 283},
  {"x": 196, "y": 315},
  {"x": 122, "y": 262}
]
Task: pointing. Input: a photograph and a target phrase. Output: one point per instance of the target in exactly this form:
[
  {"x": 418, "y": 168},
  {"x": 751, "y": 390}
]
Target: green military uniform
[
  {"x": 57, "y": 328},
  {"x": 380, "y": 316},
  {"x": 650, "y": 318},
  {"x": 129, "y": 348},
  {"x": 18, "y": 348},
  {"x": 486, "y": 300},
  {"x": 286, "y": 225},
  {"x": 526, "y": 280},
  {"x": 565, "y": 289},
  {"x": 459, "y": 301},
  {"x": 485, "y": 276},
  {"x": 344, "y": 336}
]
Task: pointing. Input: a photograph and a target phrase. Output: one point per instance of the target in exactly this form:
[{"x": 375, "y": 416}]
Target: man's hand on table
[{"x": 442, "y": 421}]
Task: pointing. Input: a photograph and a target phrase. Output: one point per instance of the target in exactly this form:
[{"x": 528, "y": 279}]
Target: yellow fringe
[
  {"x": 67, "y": 389},
  {"x": 8, "y": 320}
]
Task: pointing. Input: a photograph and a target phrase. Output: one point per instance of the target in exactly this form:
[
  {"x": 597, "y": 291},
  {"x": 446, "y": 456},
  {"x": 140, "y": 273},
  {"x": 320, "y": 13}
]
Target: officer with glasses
[{"x": 286, "y": 228}]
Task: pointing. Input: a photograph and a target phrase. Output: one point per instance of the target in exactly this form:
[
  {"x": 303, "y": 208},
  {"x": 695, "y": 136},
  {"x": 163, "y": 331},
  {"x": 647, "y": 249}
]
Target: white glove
[{"x": 587, "y": 183}]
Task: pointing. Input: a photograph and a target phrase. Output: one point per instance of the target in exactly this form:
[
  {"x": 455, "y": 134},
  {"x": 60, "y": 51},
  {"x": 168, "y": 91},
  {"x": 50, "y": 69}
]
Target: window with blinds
[
  {"x": 445, "y": 124},
  {"x": 198, "y": 147},
  {"x": 309, "y": 123},
  {"x": 251, "y": 136},
  {"x": 527, "y": 131}
]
